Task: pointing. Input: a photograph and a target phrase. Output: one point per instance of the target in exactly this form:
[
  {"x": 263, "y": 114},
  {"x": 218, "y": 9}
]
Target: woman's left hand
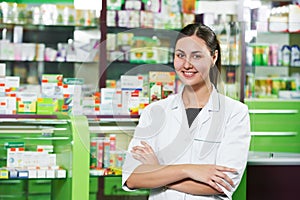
[{"x": 144, "y": 154}]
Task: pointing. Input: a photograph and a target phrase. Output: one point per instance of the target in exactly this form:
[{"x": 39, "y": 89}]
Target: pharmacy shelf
[
  {"x": 27, "y": 116},
  {"x": 112, "y": 118},
  {"x": 53, "y": 62},
  {"x": 44, "y": 26}
]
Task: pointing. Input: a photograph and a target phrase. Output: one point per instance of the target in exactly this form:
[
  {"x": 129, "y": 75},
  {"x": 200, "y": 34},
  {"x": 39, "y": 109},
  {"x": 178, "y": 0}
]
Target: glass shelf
[
  {"x": 34, "y": 119},
  {"x": 45, "y": 26},
  {"x": 117, "y": 29},
  {"x": 112, "y": 117},
  {"x": 57, "y": 62},
  {"x": 27, "y": 116},
  {"x": 135, "y": 63}
]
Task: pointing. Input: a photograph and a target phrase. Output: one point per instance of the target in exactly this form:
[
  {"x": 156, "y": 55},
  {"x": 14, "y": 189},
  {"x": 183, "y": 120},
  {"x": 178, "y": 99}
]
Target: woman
[{"x": 194, "y": 144}]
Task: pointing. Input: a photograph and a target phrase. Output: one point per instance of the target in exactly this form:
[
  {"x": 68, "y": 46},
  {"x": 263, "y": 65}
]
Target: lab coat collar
[{"x": 213, "y": 103}]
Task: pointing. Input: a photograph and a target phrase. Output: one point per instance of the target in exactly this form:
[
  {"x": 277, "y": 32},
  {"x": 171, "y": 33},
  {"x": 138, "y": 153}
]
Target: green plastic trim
[{"x": 81, "y": 161}]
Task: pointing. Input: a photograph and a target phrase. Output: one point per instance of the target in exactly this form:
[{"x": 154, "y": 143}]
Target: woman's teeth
[{"x": 189, "y": 73}]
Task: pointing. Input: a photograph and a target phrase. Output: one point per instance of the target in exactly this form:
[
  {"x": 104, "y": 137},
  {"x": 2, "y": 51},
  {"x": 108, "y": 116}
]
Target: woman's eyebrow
[
  {"x": 180, "y": 50},
  {"x": 193, "y": 52}
]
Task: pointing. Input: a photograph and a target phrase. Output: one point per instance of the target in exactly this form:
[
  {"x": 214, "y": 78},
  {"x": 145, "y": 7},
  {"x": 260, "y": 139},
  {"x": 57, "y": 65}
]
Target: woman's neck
[{"x": 196, "y": 97}]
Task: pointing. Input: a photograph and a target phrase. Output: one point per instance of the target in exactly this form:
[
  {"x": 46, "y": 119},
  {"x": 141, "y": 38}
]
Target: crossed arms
[{"x": 193, "y": 179}]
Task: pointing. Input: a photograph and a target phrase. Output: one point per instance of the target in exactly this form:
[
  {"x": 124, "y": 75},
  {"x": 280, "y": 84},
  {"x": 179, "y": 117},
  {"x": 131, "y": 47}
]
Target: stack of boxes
[
  {"x": 283, "y": 18},
  {"x": 56, "y": 94},
  {"x": 131, "y": 87},
  {"x": 71, "y": 96},
  {"x": 104, "y": 155},
  {"x": 8, "y": 87},
  {"x": 155, "y": 14},
  {"x": 31, "y": 164},
  {"x": 161, "y": 85},
  {"x": 131, "y": 48},
  {"x": 164, "y": 15},
  {"x": 136, "y": 92}
]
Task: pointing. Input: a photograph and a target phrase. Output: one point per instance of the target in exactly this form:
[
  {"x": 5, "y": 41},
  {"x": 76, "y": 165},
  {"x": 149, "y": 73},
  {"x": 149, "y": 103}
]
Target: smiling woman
[
  {"x": 194, "y": 144},
  {"x": 204, "y": 50}
]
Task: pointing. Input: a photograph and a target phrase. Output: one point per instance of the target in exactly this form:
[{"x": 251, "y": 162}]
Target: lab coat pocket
[
  {"x": 208, "y": 140},
  {"x": 206, "y": 149}
]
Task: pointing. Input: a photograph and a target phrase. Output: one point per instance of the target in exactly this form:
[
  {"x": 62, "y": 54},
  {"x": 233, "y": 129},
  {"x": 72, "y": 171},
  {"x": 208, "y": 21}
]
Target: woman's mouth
[{"x": 188, "y": 74}]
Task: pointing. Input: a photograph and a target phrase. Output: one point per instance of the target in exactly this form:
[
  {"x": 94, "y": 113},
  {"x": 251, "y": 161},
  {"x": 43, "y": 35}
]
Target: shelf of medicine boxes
[
  {"x": 50, "y": 35},
  {"x": 104, "y": 183},
  {"x": 278, "y": 38},
  {"x": 122, "y": 126},
  {"x": 43, "y": 27},
  {"x": 274, "y": 125},
  {"x": 50, "y": 62},
  {"x": 119, "y": 64},
  {"x": 69, "y": 137},
  {"x": 39, "y": 33},
  {"x": 272, "y": 71},
  {"x": 105, "y": 124}
]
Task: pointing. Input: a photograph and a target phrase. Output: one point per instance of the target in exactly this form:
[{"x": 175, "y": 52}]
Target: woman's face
[{"x": 193, "y": 61}]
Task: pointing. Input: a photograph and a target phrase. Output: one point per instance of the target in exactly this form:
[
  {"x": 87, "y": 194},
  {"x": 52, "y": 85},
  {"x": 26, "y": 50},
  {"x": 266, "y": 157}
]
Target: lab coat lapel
[
  {"x": 178, "y": 111},
  {"x": 213, "y": 130},
  {"x": 179, "y": 114},
  {"x": 207, "y": 112},
  {"x": 182, "y": 140}
]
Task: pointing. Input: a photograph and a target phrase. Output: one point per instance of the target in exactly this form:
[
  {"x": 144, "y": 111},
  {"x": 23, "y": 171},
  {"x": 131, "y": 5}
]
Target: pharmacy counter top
[{"x": 273, "y": 158}]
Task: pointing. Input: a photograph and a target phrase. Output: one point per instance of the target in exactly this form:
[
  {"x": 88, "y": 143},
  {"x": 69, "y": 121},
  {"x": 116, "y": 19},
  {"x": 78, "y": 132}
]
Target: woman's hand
[
  {"x": 144, "y": 154},
  {"x": 211, "y": 175}
]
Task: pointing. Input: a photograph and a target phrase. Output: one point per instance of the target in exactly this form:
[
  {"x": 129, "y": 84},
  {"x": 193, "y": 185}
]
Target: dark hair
[{"x": 205, "y": 33}]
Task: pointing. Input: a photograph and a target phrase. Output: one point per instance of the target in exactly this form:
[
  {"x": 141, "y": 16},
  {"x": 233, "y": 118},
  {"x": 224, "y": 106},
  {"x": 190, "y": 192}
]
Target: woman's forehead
[{"x": 192, "y": 43}]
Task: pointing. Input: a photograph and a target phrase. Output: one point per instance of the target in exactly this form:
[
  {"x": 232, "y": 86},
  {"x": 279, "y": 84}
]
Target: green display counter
[
  {"x": 274, "y": 128},
  {"x": 274, "y": 125},
  {"x": 69, "y": 137}
]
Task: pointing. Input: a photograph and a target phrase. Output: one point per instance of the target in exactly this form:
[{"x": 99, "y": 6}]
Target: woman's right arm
[
  {"x": 154, "y": 176},
  {"x": 193, "y": 187}
]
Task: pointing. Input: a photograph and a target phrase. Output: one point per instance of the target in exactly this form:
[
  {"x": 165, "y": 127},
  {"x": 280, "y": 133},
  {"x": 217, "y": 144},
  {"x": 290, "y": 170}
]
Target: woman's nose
[{"x": 187, "y": 63}]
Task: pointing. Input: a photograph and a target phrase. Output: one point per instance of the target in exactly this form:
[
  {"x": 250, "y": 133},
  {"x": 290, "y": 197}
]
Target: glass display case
[
  {"x": 272, "y": 75},
  {"x": 44, "y": 156},
  {"x": 272, "y": 51},
  {"x": 109, "y": 139},
  {"x": 38, "y": 38}
]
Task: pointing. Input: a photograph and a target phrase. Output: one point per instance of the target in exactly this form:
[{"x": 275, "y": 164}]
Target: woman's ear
[{"x": 215, "y": 56}]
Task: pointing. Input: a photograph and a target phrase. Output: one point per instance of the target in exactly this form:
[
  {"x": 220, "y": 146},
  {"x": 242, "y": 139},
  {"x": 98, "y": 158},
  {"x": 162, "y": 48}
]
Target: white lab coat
[{"x": 220, "y": 135}]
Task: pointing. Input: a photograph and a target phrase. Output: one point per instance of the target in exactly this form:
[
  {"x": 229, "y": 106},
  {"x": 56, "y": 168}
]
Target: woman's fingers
[
  {"x": 215, "y": 186},
  {"x": 222, "y": 169},
  {"x": 146, "y": 153},
  {"x": 145, "y": 148},
  {"x": 225, "y": 177},
  {"x": 221, "y": 182},
  {"x": 139, "y": 148},
  {"x": 213, "y": 175},
  {"x": 145, "y": 144},
  {"x": 138, "y": 157},
  {"x": 225, "y": 169},
  {"x": 221, "y": 179}
]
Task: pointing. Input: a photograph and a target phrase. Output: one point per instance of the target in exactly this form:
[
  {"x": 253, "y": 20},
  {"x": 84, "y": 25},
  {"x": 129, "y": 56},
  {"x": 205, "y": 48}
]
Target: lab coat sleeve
[
  {"x": 130, "y": 163},
  {"x": 233, "y": 151}
]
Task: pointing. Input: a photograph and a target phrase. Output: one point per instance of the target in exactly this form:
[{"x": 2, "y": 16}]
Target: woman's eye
[
  {"x": 196, "y": 56},
  {"x": 180, "y": 55}
]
